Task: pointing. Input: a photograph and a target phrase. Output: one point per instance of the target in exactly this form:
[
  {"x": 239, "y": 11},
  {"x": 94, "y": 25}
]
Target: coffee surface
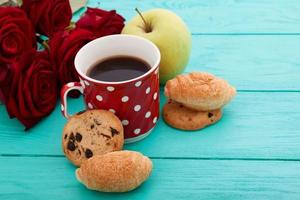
[{"x": 119, "y": 68}]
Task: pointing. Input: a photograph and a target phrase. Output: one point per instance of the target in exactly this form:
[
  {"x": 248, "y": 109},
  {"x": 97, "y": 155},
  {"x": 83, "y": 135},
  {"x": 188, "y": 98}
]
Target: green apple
[{"x": 170, "y": 34}]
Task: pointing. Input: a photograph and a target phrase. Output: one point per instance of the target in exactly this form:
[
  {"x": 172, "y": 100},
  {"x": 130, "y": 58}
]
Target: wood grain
[
  {"x": 221, "y": 16},
  {"x": 252, "y": 153},
  {"x": 53, "y": 178},
  {"x": 249, "y": 62},
  {"x": 254, "y": 125}
]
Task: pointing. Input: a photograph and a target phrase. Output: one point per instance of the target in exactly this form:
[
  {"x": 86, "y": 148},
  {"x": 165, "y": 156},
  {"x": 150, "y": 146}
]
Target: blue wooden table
[{"x": 252, "y": 153}]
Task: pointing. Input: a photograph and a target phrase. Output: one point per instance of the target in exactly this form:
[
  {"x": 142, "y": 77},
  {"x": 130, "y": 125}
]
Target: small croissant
[
  {"x": 200, "y": 91},
  {"x": 118, "y": 171}
]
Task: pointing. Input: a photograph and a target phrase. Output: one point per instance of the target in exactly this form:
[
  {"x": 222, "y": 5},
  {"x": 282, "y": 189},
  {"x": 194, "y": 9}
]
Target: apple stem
[{"x": 147, "y": 26}]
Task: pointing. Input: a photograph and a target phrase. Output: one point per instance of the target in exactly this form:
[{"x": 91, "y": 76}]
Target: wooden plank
[
  {"x": 221, "y": 16},
  {"x": 249, "y": 62},
  {"x": 53, "y": 178},
  {"x": 255, "y": 125}
]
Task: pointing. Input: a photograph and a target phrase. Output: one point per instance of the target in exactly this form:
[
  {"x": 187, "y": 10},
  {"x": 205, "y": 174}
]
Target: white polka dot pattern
[
  {"x": 138, "y": 84},
  {"x": 137, "y": 108},
  {"x": 110, "y": 88},
  {"x": 148, "y": 114},
  {"x": 125, "y": 99},
  {"x": 99, "y": 98},
  {"x": 135, "y": 103},
  {"x": 137, "y": 131},
  {"x": 148, "y": 90},
  {"x": 125, "y": 122},
  {"x": 112, "y": 110},
  {"x": 90, "y": 106},
  {"x": 155, "y": 96}
]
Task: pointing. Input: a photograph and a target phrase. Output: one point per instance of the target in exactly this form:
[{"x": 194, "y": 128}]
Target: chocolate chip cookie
[
  {"x": 90, "y": 133},
  {"x": 181, "y": 117}
]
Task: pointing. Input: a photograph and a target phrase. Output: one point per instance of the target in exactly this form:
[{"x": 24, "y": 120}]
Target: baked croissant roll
[
  {"x": 118, "y": 171},
  {"x": 199, "y": 91}
]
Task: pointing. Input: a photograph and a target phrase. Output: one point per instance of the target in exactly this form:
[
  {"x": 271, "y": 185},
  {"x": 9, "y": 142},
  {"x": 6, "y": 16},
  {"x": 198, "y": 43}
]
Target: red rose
[
  {"x": 16, "y": 34},
  {"x": 5, "y": 79},
  {"x": 101, "y": 22},
  {"x": 48, "y": 16},
  {"x": 33, "y": 90},
  {"x": 63, "y": 48}
]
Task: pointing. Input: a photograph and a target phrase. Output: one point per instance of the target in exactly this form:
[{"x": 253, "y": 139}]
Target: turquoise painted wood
[
  {"x": 255, "y": 62},
  {"x": 252, "y": 153},
  {"x": 222, "y": 16},
  {"x": 251, "y": 128},
  {"x": 30, "y": 178}
]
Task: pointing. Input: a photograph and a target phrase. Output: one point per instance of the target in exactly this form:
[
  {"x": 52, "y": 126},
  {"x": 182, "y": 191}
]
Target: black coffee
[{"x": 119, "y": 68}]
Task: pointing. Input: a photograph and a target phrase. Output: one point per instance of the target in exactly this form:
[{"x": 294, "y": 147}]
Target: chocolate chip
[
  {"x": 71, "y": 146},
  {"x": 190, "y": 119},
  {"x": 210, "y": 115},
  {"x": 106, "y": 136},
  {"x": 97, "y": 122},
  {"x": 71, "y": 138},
  {"x": 65, "y": 137},
  {"x": 113, "y": 131},
  {"x": 79, "y": 152},
  {"x": 80, "y": 112},
  {"x": 78, "y": 137},
  {"x": 92, "y": 126},
  {"x": 181, "y": 106},
  {"x": 88, "y": 153}
]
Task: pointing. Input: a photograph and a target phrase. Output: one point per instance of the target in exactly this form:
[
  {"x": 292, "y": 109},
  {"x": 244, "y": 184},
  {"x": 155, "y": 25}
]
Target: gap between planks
[
  {"x": 265, "y": 91},
  {"x": 163, "y": 158}
]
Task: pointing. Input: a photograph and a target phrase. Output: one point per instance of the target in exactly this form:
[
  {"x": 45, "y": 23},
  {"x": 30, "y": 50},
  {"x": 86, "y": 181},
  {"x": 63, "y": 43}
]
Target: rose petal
[
  {"x": 101, "y": 22},
  {"x": 33, "y": 91},
  {"x": 58, "y": 15},
  {"x": 67, "y": 44}
]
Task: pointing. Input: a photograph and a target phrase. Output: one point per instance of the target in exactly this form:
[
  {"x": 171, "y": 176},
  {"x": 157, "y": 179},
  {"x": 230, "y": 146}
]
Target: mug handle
[{"x": 64, "y": 93}]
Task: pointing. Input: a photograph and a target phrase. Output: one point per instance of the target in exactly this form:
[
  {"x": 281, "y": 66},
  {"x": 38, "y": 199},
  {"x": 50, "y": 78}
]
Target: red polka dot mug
[{"x": 134, "y": 101}]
